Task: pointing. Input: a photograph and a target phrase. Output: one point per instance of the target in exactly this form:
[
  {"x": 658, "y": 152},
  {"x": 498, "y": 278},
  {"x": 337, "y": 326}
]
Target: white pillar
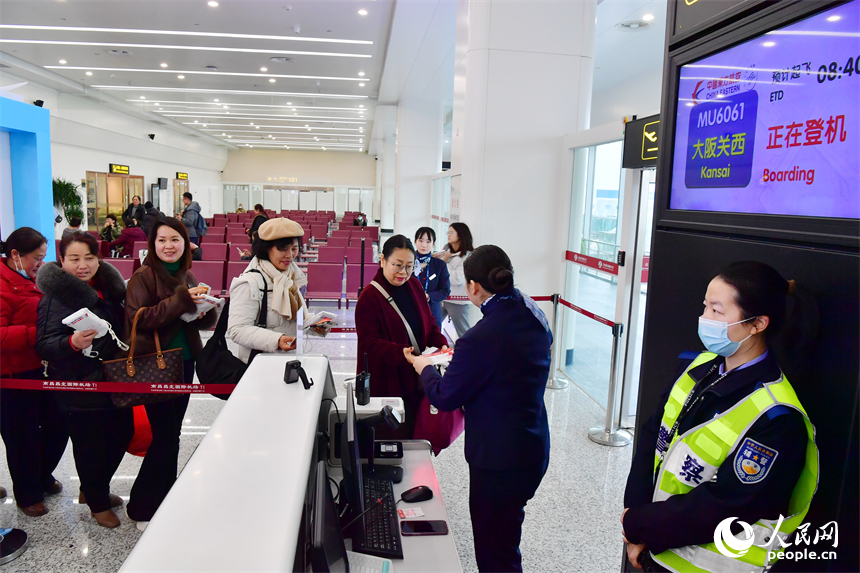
[
  {"x": 523, "y": 78},
  {"x": 377, "y": 195},
  {"x": 419, "y": 156},
  {"x": 388, "y": 170}
]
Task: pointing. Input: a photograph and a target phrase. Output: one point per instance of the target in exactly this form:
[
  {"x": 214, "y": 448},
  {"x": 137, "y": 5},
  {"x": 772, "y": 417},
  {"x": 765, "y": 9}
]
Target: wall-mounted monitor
[{"x": 767, "y": 123}]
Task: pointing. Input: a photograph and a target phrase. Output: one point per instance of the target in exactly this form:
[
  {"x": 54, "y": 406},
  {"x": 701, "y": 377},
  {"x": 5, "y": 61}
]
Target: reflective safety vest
[{"x": 693, "y": 458}]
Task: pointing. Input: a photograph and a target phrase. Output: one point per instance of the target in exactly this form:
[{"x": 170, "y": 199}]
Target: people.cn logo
[{"x": 736, "y": 547}]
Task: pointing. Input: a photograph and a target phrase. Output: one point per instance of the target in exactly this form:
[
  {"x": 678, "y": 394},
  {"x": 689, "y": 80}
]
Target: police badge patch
[{"x": 753, "y": 460}]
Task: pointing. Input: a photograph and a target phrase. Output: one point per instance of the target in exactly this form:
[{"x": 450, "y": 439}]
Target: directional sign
[{"x": 641, "y": 143}]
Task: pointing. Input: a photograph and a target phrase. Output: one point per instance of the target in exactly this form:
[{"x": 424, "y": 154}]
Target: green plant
[{"x": 66, "y": 196}]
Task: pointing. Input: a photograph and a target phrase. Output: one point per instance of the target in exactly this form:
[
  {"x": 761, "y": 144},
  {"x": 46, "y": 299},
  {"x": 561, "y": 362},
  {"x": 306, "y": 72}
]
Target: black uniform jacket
[{"x": 690, "y": 519}]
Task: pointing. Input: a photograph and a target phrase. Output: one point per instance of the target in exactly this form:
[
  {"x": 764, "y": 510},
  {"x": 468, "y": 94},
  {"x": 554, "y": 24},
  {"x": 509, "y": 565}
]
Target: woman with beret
[{"x": 272, "y": 271}]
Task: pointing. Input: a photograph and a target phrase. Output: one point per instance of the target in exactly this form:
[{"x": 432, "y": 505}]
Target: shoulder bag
[
  {"x": 163, "y": 367},
  {"x": 216, "y": 364},
  {"x": 438, "y": 428}
]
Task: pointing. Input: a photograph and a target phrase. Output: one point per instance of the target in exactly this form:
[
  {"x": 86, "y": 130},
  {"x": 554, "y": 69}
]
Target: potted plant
[{"x": 67, "y": 198}]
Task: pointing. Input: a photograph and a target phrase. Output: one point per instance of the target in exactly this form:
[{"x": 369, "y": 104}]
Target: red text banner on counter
[
  {"x": 136, "y": 388},
  {"x": 592, "y": 262}
]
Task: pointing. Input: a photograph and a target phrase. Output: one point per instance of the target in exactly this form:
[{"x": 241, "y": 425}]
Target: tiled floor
[{"x": 572, "y": 524}]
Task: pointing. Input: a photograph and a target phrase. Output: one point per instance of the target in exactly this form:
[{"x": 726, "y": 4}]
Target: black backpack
[{"x": 216, "y": 364}]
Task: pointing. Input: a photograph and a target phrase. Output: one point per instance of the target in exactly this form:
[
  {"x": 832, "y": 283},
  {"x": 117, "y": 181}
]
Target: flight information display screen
[{"x": 772, "y": 126}]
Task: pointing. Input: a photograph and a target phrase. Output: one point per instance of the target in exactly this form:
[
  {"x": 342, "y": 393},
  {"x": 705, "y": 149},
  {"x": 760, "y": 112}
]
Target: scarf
[
  {"x": 286, "y": 298},
  {"x": 422, "y": 262}
]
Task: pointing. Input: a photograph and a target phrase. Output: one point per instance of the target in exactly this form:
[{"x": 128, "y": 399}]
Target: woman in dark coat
[
  {"x": 382, "y": 334},
  {"x": 498, "y": 372},
  {"x": 32, "y": 427},
  {"x": 100, "y": 432},
  {"x": 135, "y": 210},
  {"x": 167, "y": 288}
]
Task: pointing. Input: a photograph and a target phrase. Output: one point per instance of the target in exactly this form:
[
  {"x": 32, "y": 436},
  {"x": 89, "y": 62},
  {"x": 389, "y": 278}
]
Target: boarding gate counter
[{"x": 237, "y": 505}]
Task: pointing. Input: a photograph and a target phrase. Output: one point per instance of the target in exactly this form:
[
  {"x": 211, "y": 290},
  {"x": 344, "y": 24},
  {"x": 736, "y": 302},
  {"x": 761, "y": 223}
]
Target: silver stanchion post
[
  {"x": 611, "y": 434},
  {"x": 554, "y": 382}
]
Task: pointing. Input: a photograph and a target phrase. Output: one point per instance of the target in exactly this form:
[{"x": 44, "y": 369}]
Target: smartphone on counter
[{"x": 433, "y": 527}]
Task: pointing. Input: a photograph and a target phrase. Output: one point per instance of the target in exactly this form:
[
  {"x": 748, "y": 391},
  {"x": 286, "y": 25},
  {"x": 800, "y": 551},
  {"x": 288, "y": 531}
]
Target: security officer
[{"x": 731, "y": 440}]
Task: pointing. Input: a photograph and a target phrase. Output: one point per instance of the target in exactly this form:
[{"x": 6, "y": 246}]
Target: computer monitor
[
  {"x": 328, "y": 551},
  {"x": 351, "y": 486}
]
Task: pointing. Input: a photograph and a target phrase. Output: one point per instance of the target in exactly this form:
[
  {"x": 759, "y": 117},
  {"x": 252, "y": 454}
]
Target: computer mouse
[{"x": 417, "y": 493}]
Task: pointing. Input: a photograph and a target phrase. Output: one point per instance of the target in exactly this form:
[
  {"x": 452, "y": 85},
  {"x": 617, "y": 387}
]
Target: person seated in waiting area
[
  {"x": 240, "y": 209},
  {"x": 127, "y": 237},
  {"x": 152, "y": 215},
  {"x": 110, "y": 230},
  {"x": 359, "y": 221},
  {"x": 272, "y": 271},
  {"x": 260, "y": 217},
  {"x": 135, "y": 210},
  {"x": 74, "y": 227}
]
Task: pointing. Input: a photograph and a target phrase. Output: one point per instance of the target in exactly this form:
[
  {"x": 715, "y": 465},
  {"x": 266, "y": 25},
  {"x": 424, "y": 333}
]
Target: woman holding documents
[
  {"x": 272, "y": 273},
  {"x": 165, "y": 286},
  {"x": 498, "y": 373},
  {"x": 392, "y": 312},
  {"x": 100, "y": 432}
]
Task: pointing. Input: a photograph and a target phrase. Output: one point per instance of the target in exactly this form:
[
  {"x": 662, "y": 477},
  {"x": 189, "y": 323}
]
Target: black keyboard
[{"x": 381, "y": 536}]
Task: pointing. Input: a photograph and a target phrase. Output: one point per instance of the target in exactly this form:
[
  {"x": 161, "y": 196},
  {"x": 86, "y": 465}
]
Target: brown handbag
[{"x": 159, "y": 368}]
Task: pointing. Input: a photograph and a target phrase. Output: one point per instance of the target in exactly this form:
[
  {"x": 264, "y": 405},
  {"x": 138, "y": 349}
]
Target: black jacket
[
  {"x": 135, "y": 212},
  {"x": 258, "y": 220},
  {"x": 691, "y": 519},
  {"x": 65, "y": 294},
  {"x": 152, "y": 215}
]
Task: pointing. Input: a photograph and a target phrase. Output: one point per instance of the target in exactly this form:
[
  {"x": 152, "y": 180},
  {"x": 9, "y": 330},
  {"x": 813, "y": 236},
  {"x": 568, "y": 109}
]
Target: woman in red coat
[
  {"x": 382, "y": 334},
  {"x": 30, "y": 423}
]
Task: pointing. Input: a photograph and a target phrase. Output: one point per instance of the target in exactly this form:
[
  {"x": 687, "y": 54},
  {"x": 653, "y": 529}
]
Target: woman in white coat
[
  {"x": 273, "y": 273},
  {"x": 455, "y": 253}
]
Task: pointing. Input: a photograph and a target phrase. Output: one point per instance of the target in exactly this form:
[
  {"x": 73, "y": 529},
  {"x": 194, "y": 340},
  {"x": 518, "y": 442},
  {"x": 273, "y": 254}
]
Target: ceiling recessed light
[
  {"x": 361, "y": 74},
  {"x": 272, "y": 80},
  {"x": 689, "y": 104},
  {"x": 250, "y": 146},
  {"x": 446, "y": 141},
  {"x": 195, "y": 121},
  {"x": 769, "y": 44},
  {"x": 309, "y": 129},
  {"x": 264, "y": 69},
  {"x": 213, "y": 3},
  {"x": 223, "y": 134},
  {"x": 89, "y": 73},
  {"x": 361, "y": 85},
  {"x": 295, "y": 114},
  {"x": 361, "y": 105},
  {"x": 306, "y": 125},
  {"x": 361, "y": 141},
  {"x": 161, "y": 109},
  {"x": 256, "y": 127},
  {"x": 63, "y": 61},
  {"x": 252, "y": 123},
  {"x": 229, "y": 136},
  {"x": 181, "y": 77},
  {"x": 287, "y": 146},
  {"x": 216, "y": 99},
  {"x": 362, "y": 12},
  {"x": 648, "y": 17},
  {"x": 164, "y": 64},
  {"x": 204, "y": 125},
  {"x": 830, "y": 19},
  {"x": 142, "y": 97},
  {"x": 362, "y": 149}
]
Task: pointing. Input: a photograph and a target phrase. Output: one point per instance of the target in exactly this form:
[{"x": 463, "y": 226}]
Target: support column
[
  {"x": 523, "y": 79},
  {"x": 388, "y": 189},
  {"x": 419, "y": 156}
]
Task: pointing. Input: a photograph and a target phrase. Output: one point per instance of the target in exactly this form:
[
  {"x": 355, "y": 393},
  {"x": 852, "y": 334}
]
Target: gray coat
[{"x": 190, "y": 216}]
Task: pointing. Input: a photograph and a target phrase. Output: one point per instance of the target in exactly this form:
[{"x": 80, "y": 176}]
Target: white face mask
[{"x": 715, "y": 336}]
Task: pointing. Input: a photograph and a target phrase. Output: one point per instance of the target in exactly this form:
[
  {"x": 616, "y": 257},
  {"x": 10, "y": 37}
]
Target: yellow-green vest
[{"x": 711, "y": 443}]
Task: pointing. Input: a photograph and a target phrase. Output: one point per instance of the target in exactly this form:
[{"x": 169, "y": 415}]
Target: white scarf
[{"x": 286, "y": 297}]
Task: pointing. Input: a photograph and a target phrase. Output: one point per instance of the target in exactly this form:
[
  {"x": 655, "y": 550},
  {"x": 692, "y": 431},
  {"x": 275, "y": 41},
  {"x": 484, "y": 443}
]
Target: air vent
[
  {"x": 212, "y": 68},
  {"x": 633, "y": 26},
  {"x": 281, "y": 59},
  {"x": 119, "y": 52}
]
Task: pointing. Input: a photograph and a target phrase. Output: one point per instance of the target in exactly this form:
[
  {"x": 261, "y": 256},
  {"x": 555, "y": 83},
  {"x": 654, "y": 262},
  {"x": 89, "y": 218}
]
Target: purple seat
[
  {"x": 341, "y": 233},
  {"x": 214, "y": 236},
  {"x": 353, "y": 254},
  {"x": 138, "y": 246},
  {"x": 234, "y": 269},
  {"x": 126, "y": 267},
  {"x": 341, "y": 242},
  {"x": 319, "y": 232},
  {"x": 331, "y": 255},
  {"x": 325, "y": 282},
  {"x": 232, "y": 217},
  {"x": 215, "y": 251},
  {"x": 211, "y": 273},
  {"x": 355, "y": 239},
  {"x": 233, "y": 253},
  {"x": 353, "y": 279},
  {"x": 240, "y": 239}
]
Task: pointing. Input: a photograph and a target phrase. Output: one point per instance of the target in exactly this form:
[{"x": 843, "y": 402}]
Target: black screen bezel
[{"x": 790, "y": 228}]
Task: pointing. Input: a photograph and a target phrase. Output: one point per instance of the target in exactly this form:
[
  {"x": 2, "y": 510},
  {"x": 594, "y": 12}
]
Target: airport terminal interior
[{"x": 534, "y": 123}]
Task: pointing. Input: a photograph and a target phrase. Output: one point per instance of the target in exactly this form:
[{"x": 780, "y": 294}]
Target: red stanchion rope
[
  {"x": 584, "y": 312},
  {"x": 124, "y": 387}
]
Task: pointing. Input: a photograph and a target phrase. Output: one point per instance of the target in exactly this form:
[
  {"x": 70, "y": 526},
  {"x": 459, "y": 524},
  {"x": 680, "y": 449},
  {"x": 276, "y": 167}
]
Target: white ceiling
[
  {"x": 318, "y": 94},
  {"x": 404, "y": 48}
]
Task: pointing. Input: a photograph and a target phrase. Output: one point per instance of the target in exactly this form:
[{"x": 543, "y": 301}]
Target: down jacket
[
  {"x": 65, "y": 294},
  {"x": 19, "y": 301}
]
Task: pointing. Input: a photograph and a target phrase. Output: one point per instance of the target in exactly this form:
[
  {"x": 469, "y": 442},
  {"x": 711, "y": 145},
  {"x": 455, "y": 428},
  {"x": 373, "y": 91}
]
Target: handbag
[
  {"x": 160, "y": 368},
  {"x": 216, "y": 364},
  {"x": 438, "y": 428}
]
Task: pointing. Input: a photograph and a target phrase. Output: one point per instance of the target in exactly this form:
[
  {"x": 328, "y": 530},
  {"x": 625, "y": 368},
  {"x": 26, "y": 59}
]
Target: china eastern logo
[{"x": 721, "y": 141}]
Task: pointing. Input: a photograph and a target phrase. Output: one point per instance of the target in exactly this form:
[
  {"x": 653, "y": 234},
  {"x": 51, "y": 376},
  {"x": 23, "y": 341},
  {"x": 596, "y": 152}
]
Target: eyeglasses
[{"x": 400, "y": 268}]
